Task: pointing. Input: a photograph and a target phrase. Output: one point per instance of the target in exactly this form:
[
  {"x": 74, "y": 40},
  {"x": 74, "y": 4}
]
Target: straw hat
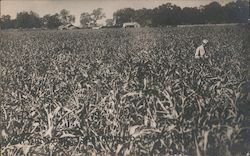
[{"x": 205, "y": 41}]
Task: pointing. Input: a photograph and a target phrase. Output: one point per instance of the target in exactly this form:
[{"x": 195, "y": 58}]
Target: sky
[{"x": 76, "y": 7}]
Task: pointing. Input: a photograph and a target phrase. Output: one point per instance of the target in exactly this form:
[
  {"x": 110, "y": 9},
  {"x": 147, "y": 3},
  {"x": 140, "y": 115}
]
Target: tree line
[
  {"x": 163, "y": 15},
  {"x": 169, "y": 14},
  {"x": 32, "y": 20}
]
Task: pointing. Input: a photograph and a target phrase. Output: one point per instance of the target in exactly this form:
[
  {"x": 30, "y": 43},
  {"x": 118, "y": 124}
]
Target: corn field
[{"x": 125, "y": 92}]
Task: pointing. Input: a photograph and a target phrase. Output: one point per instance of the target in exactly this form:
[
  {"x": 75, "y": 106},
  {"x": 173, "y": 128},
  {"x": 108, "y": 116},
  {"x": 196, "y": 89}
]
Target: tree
[
  {"x": 167, "y": 14},
  {"x": 98, "y": 14},
  {"x": 65, "y": 17},
  {"x": 243, "y": 10},
  {"x": 6, "y": 22},
  {"x": 52, "y": 21},
  {"x": 231, "y": 12},
  {"x": 143, "y": 17},
  {"x": 6, "y": 18},
  {"x": 213, "y": 13},
  {"x": 28, "y": 20},
  {"x": 109, "y": 22},
  {"x": 191, "y": 16},
  {"x": 85, "y": 19},
  {"x": 124, "y": 15}
]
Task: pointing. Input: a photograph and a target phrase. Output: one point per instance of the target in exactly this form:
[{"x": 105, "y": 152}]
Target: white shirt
[{"x": 200, "y": 52}]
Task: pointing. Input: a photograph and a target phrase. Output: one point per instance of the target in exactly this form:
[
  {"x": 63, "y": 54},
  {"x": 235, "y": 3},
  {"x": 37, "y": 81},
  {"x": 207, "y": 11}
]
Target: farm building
[
  {"x": 67, "y": 27},
  {"x": 96, "y": 28},
  {"x": 131, "y": 25}
]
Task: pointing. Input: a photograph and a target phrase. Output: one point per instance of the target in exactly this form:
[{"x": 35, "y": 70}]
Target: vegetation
[
  {"x": 28, "y": 20},
  {"x": 32, "y": 20},
  {"x": 169, "y": 14},
  {"x": 87, "y": 19},
  {"x": 52, "y": 21},
  {"x": 124, "y": 92},
  {"x": 164, "y": 15}
]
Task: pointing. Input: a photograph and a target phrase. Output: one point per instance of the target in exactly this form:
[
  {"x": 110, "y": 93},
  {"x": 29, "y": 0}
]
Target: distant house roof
[
  {"x": 68, "y": 25},
  {"x": 61, "y": 27},
  {"x": 131, "y": 24}
]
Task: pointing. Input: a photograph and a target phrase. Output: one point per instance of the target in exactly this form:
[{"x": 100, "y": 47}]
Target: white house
[
  {"x": 131, "y": 25},
  {"x": 96, "y": 28}
]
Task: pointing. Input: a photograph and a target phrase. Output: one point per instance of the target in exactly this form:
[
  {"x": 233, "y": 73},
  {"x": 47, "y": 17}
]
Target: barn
[{"x": 131, "y": 25}]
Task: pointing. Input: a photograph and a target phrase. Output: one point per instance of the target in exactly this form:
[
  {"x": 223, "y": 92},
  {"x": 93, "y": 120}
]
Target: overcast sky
[{"x": 76, "y": 7}]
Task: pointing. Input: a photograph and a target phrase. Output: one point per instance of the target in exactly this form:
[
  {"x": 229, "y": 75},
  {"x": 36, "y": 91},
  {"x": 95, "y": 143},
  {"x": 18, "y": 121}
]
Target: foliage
[
  {"x": 65, "y": 17},
  {"x": 124, "y": 15},
  {"x": 98, "y": 14},
  {"x": 52, "y": 21},
  {"x": 6, "y": 22},
  {"x": 28, "y": 20},
  {"x": 166, "y": 14},
  {"x": 85, "y": 19},
  {"x": 170, "y": 14},
  {"x": 124, "y": 92},
  {"x": 88, "y": 19}
]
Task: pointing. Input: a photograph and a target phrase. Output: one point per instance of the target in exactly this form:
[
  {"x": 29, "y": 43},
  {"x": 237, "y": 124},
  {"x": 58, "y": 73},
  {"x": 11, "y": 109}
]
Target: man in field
[{"x": 200, "y": 51}]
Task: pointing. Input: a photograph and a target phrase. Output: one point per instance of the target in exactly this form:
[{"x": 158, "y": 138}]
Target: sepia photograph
[{"x": 124, "y": 78}]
